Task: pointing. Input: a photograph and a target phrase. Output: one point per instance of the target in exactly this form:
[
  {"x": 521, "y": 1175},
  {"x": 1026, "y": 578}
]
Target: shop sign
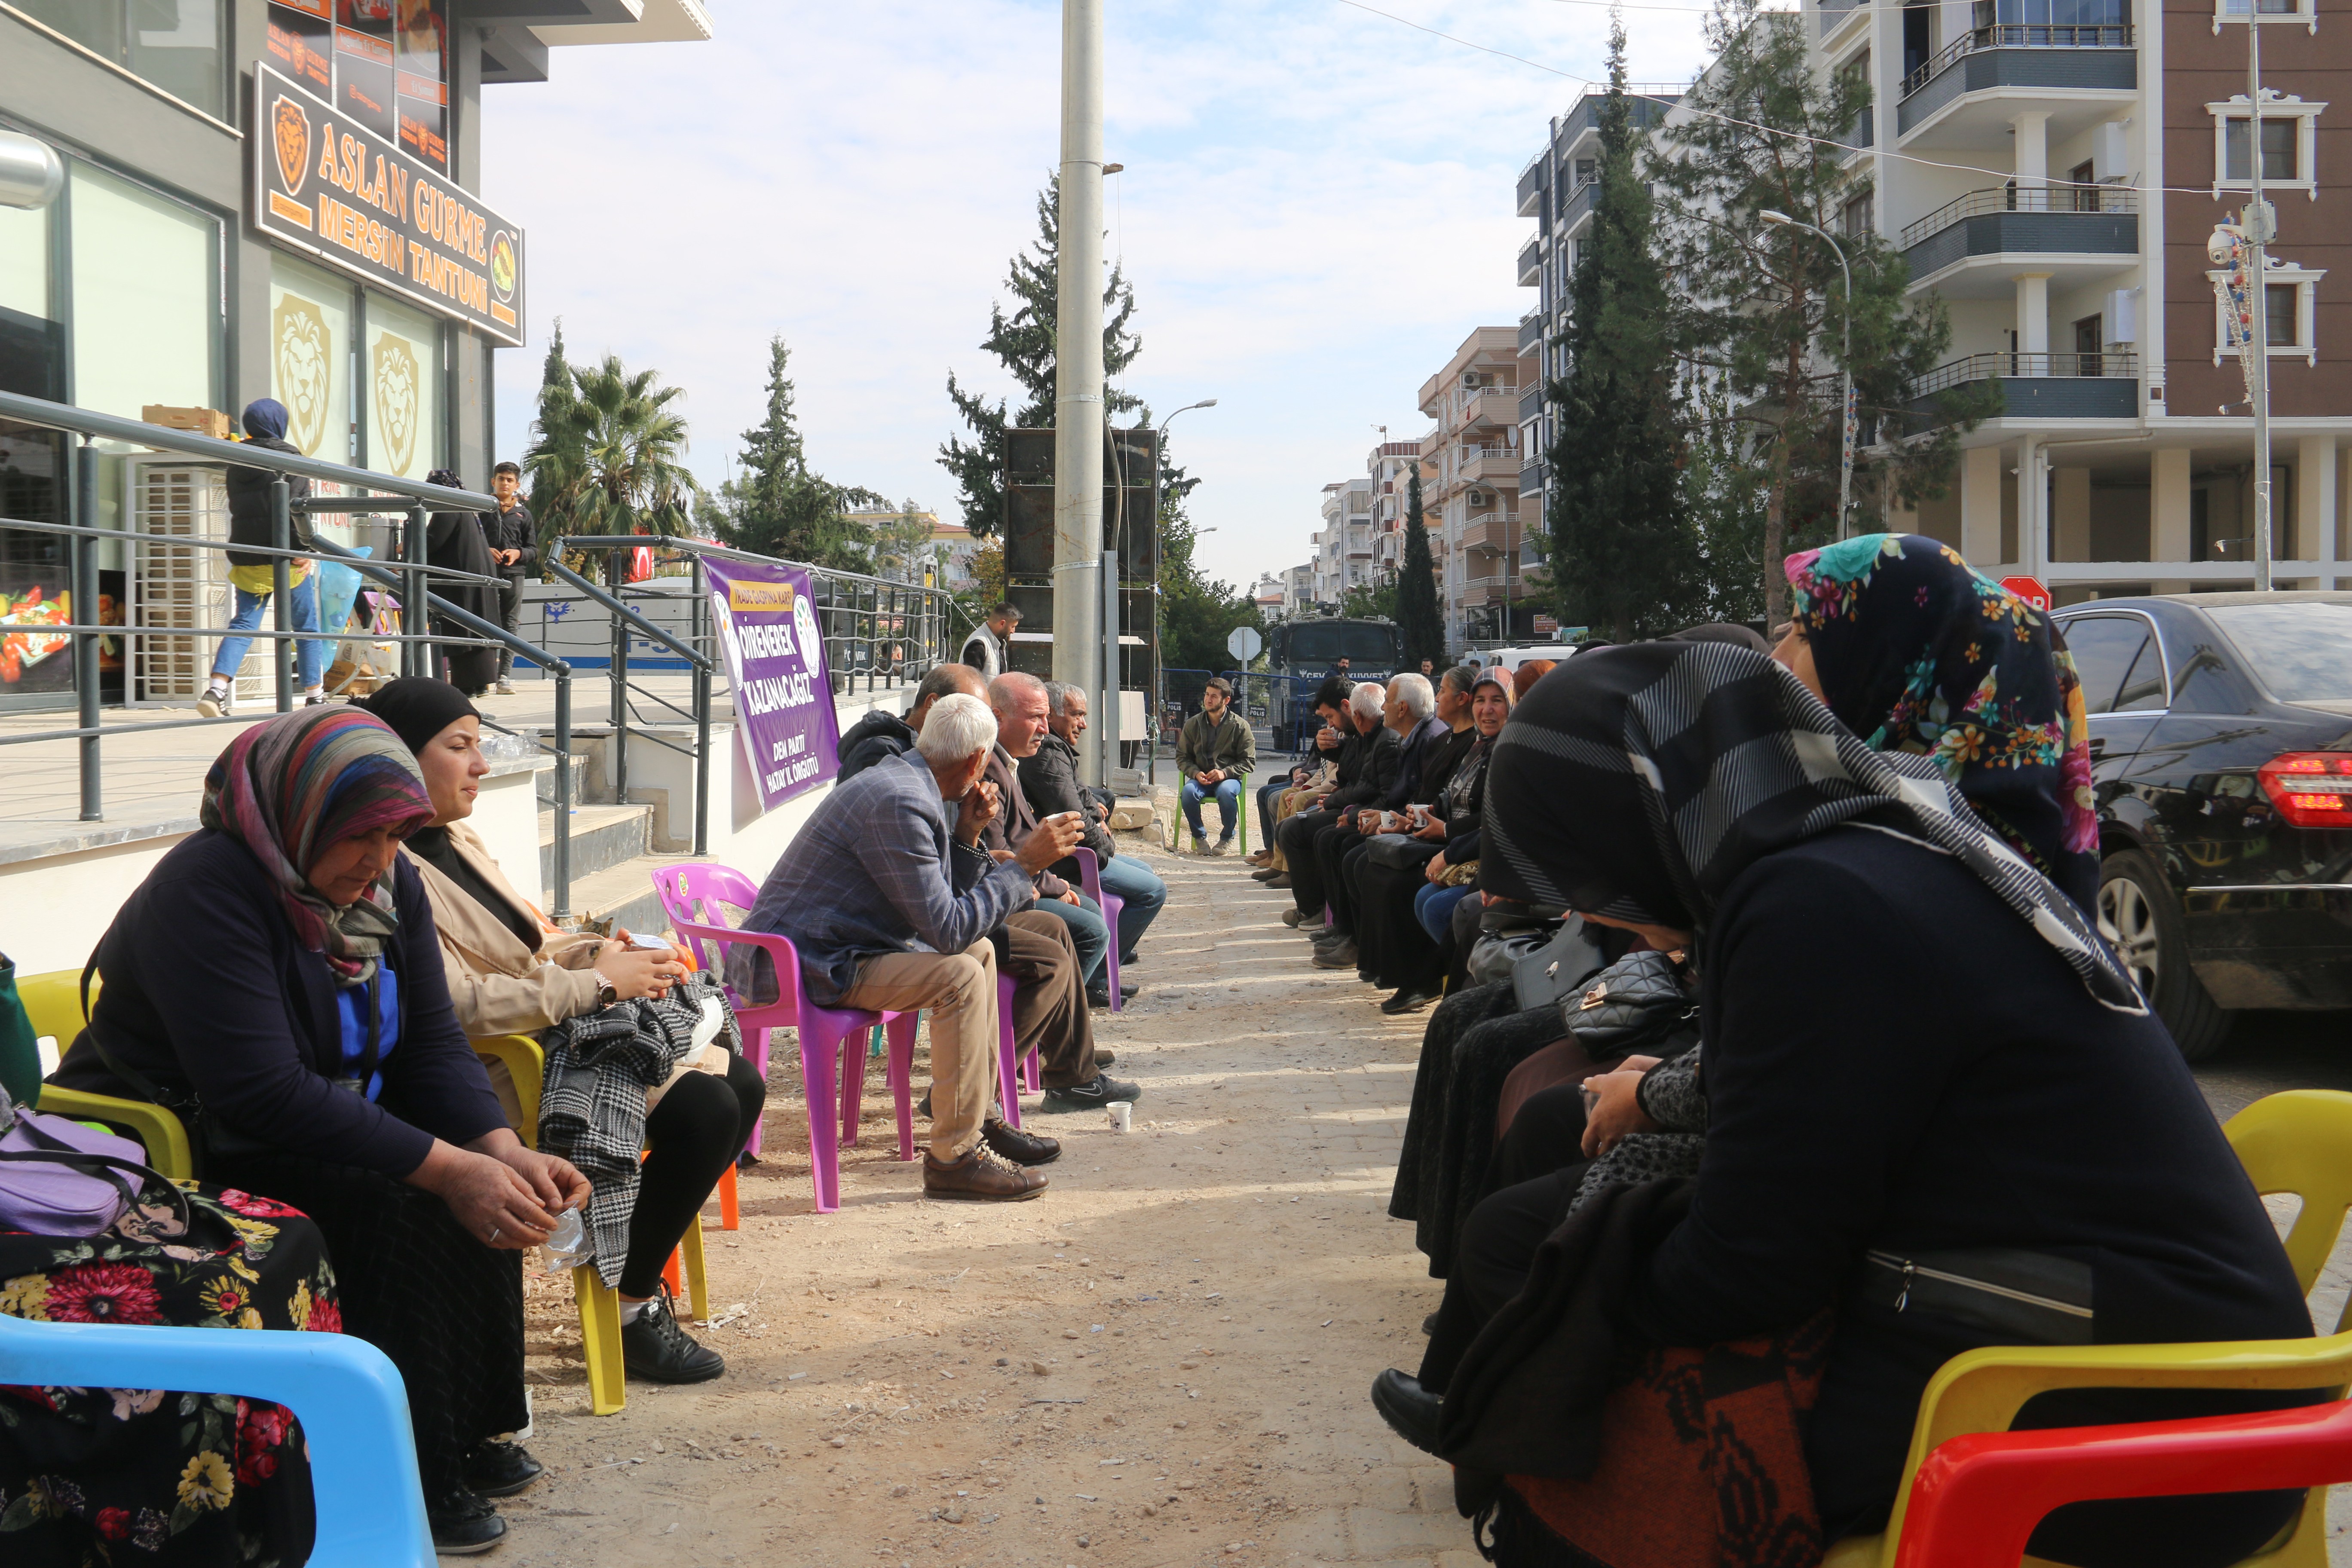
[
  {"x": 775, "y": 664},
  {"x": 326, "y": 183}
]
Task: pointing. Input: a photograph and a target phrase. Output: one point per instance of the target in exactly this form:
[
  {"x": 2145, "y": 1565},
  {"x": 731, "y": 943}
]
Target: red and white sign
[{"x": 2029, "y": 589}]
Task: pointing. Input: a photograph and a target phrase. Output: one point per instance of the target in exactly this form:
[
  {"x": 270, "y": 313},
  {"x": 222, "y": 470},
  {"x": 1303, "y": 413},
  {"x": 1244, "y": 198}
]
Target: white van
[{"x": 1510, "y": 659}]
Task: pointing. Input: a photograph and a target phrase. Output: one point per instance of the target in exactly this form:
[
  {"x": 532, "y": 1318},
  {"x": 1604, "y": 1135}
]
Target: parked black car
[{"x": 2221, "y": 749}]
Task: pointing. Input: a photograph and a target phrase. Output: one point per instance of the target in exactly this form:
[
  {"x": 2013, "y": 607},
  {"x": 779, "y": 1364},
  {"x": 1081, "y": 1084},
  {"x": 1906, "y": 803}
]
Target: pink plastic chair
[
  {"x": 1090, "y": 877},
  {"x": 692, "y": 897}
]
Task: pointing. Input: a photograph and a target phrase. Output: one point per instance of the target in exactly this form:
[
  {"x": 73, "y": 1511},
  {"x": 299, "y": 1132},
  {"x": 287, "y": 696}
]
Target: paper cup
[{"x": 1122, "y": 1116}]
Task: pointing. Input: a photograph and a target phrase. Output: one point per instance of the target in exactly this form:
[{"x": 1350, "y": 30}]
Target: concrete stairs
[{"x": 612, "y": 866}]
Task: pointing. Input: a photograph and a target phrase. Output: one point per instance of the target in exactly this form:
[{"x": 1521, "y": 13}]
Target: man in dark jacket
[
  {"x": 514, "y": 547},
  {"x": 253, "y": 577},
  {"x": 1375, "y": 753},
  {"x": 1050, "y": 780},
  {"x": 1021, "y": 724},
  {"x": 880, "y": 735},
  {"x": 1425, "y": 718}
]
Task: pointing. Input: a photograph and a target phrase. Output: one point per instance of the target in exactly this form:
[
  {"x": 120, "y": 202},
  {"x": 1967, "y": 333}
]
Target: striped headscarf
[
  {"x": 1640, "y": 782},
  {"x": 295, "y": 787}
]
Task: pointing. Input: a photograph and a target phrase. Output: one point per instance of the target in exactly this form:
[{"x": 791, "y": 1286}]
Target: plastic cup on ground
[{"x": 1122, "y": 1115}]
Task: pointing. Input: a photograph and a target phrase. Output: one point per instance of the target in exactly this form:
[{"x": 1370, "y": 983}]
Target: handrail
[
  {"x": 2116, "y": 363},
  {"x": 2020, "y": 36},
  {"x": 2062, "y": 196}
]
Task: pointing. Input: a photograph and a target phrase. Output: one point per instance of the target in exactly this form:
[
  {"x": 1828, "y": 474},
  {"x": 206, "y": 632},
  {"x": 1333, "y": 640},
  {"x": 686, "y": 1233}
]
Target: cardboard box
[{"x": 202, "y": 421}]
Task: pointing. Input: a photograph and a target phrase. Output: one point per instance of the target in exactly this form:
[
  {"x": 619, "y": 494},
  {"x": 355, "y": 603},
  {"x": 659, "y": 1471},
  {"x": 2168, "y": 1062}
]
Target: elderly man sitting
[
  {"x": 1373, "y": 752},
  {"x": 890, "y": 900},
  {"x": 1022, "y": 714},
  {"x": 1049, "y": 779}
]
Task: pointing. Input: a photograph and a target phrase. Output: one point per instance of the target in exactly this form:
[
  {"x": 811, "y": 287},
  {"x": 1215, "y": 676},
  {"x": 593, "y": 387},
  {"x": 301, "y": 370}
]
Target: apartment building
[
  {"x": 1298, "y": 587},
  {"x": 1470, "y": 486},
  {"x": 2054, "y": 184},
  {"x": 1556, "y": 189},
  {"x": 1391, "y": 466},
  {"x": 1343, "y": 545}
]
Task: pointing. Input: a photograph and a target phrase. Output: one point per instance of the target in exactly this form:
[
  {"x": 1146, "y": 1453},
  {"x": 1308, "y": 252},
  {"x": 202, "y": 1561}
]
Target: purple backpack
[{"x": 60, "y": 1178}]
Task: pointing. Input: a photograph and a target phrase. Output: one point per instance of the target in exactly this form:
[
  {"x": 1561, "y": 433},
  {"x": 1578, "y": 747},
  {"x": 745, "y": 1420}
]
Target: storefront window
[
  {"x": 146, "y": 298},
  {"x": 178, "y": 45},
  {"x": 402, "y": 372},
  {"x": 32, "y": 343},
  {"x": 310, "y": 357}
]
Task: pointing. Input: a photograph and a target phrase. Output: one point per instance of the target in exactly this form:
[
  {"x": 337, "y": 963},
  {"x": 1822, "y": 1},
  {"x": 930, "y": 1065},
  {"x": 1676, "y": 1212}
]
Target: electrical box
[
  {"x": 2112, "y": 155},
  {"x": 2123, "y": 316}
]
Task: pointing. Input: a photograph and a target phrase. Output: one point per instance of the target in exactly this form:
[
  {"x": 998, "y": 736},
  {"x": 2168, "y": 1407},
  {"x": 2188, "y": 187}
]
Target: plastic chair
[
  {"x": 1242, "y": 808},
  {"x": 1090, "y": 877},
  {"x": 2299, "y": 1141},
  {"x": 348, "y": 1396},
  {"x": 1008, "y": 1053},
  {"x": 53, "y": 1002},
  {"x": 1977, "y": 1498},
  {"x": 832, "y": 1066}
]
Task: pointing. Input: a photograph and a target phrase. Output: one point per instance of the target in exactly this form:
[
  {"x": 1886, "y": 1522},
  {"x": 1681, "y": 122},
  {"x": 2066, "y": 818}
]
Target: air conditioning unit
[{"x": 1472, "y": 378}]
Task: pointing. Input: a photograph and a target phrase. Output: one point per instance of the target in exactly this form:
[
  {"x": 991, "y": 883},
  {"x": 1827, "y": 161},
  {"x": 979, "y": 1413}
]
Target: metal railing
[
  {"x": 1992, "y": 366},
  {"x": 2020, "y": 36},
  {"x": 2058, "y": 196}
]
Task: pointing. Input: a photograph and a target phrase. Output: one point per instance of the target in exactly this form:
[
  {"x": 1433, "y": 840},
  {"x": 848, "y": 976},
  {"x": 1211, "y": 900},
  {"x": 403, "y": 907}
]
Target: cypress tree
[
  {"x": 1622, "y": 549},
  {"x": 1420, "y": 625}
]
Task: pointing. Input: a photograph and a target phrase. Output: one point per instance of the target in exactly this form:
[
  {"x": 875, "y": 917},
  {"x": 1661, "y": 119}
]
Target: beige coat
[{"x": 497, "y": 986}]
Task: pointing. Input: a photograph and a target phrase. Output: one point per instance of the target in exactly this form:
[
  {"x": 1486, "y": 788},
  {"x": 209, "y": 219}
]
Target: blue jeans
[
  {"x": 1089, "y": 932},
  {"x": 309, "y": 654},
  {"x": 1229, "y": 804},
  {"x": 1141, "y": 893},
  {"x": 1432, "y": 906},
  {"x": 1267, "y": 794}
]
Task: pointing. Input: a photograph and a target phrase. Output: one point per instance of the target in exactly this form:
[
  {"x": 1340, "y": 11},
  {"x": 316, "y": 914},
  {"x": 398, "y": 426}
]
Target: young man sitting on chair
[
  {"x": 511, "y": 973},
  {"x": 1213, "y": 752}
]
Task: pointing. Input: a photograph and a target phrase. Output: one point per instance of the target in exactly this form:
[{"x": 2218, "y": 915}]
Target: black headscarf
[
  {"x": 1729, "y": 632},
  {"x": 418, "y": 707},
  {"x": 1640, "y": 782}
]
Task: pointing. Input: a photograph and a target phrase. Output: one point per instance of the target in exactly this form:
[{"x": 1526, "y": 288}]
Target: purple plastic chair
[
  {"x": 693, "y": 896},
  {"x": 1008, "y": 1054},
  {"x": 1090, "y": 877}
]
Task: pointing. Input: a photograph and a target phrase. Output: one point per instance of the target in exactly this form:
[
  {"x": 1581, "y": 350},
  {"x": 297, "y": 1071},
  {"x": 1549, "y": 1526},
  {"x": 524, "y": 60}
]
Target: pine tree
[
  {"x": 1023, "y": 343},
  {"x": 777, "y": 505},
  {"x": 1763, "y": 308},
  {"x": 1622, "y": 559},
  {"x": 1420, "y": 623}
]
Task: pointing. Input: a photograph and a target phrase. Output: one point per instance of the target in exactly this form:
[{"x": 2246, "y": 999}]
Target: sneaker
[
  {"x": 1011, "y": 1143},
  {"x": 505, "y": 688},
  {"x": 1092, "y": 1095},
  {"x": 215, "y": 703},
  {"x": 462, "y": 1523},
  {"x": 1223, "y": 846},
  {"x": 657, "y": 1348},
  {"x": 497, "y": 1469},
  {"x": 314, "y": 699},
  {"x": 981, "y": 1175},
  {"x": 1099, "y": 998}
]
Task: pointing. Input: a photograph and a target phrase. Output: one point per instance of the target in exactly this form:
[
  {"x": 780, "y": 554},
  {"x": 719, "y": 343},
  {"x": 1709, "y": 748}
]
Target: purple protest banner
[{"x": 775, "y": 660}]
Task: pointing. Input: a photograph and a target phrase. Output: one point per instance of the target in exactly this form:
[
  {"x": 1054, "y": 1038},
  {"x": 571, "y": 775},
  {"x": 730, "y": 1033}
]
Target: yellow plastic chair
[
  {"x": 599, "y": 1304},
  {"x": 53, "y": 1002},
  {"x": 2299, "y": 1141}
]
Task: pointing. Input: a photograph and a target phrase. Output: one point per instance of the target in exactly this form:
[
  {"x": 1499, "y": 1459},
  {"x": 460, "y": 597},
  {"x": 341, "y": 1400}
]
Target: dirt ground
[{"x": 1163, "y": 1359}]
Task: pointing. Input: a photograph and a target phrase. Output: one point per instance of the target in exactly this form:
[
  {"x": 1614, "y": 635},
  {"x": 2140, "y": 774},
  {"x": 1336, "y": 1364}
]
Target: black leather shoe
[
  {"x": 464, "y": 1523},
  {"x": 1092, "y": 1095},
  {"x": 1411, "y": 999},
  {"x": 656, "y": 1347},
  {"x": 1340, "y": 954},
  {"x": 1020, "y": 1148},
  {"x": 501, "y": 1469},
  {"x": 1099, "y": 1000},
  {"x": 1408, "y": 1409}
]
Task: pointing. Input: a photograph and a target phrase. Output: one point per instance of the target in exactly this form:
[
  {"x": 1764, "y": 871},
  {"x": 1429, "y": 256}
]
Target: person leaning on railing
[
  {"x": 278, "y": 981},
  {"x": 1213, "y": 754}
]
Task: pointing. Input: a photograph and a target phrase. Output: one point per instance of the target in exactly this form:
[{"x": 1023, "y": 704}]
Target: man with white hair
[
  {"x": 1375, "y": 774},
  {"x": 888, "y": 900},
  {"x": 1427, "y": 719}
]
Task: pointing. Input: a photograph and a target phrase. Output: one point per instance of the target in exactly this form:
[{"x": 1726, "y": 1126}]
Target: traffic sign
[
  {"x": 2029, "y": 589},
  {"x": 1242, "y": 643}
]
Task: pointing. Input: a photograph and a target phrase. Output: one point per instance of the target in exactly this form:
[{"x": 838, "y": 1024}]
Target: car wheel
[{"x": 2139, "y": 914}]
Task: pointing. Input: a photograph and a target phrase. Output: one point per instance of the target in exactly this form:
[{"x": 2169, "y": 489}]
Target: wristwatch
[{"x": 606, "y": 994}]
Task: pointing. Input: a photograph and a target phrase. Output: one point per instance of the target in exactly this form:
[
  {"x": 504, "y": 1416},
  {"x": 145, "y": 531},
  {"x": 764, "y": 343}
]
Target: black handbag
[
  {"x": 1636, "y": 1000},
  {"x": 1400, "y": 853},
  {"x": 1553, "y": 971}
]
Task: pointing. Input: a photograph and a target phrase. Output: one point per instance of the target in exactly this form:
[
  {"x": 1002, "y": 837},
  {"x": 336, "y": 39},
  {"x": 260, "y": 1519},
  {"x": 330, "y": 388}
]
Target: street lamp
[
  {"x": 1845, "y": 448},
  {"x": 1159, "y": 461}
]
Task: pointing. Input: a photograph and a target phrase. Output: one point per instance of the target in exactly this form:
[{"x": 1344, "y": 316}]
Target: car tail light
[{"x": 2310, "y": 789}]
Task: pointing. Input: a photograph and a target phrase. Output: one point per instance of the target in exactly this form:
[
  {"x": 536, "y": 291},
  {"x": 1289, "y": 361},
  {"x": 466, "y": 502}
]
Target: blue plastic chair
[{"x": 349, "y": 1397}]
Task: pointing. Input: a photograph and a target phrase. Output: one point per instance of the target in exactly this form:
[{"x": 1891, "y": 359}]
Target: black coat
[
  {"x": 876, "y": 738},
  {"x": 1377, "y": 759},
  {"x": 1050, "y": 780},
  {"x": 514, "y": 528},
  {"x": 454, "y": 539},
  {"x": 248, "y": 505}
]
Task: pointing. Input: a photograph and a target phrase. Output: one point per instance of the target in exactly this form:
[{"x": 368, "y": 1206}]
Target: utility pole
[
  {"x": 2257, "y": 222},
  {"x": 1078, "y": 378}
]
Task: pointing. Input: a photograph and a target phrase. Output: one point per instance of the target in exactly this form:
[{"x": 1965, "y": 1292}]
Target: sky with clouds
[{"x": 1317, "y": 210}]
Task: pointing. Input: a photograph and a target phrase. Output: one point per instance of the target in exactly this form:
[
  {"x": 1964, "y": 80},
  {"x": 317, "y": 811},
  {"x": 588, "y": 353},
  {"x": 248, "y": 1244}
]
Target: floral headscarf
[
  {"x": 1916, "y": 652},
  {"x": 292, "y": 789}
]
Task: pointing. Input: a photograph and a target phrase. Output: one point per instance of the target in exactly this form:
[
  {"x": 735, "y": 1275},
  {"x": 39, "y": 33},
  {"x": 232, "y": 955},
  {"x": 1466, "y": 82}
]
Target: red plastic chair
[
  {"x": 1090, "y": 878},
  {"x": 692, "y": 896},
  {"x": 1977, "y": 1498}
]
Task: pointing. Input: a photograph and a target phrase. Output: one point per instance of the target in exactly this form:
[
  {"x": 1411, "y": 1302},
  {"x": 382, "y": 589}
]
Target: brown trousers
[
  {"x": 960, "y": 989},
  {"x": 1049, "y": 1006}
]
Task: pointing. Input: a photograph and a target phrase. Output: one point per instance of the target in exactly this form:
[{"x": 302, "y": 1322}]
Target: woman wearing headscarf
[
  {"x": 1405, "y": 910},
  {"x": 1877, "y": 1106},
  {"x": 275, "y": 981},
  {"x": 253, "y": 578},
  {"x": 510, "y": 973},
  {"x": 454, "y": 539}
]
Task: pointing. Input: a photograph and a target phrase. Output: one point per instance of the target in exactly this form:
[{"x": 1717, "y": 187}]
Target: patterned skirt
[{"x": 152, "y": 1476}]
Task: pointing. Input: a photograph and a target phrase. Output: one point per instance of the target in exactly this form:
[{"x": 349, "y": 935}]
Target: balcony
[
  {"x": 2043, "y": 385},
  {"x": 1493, "y": 532},
  {"x": 1531, "y": 185},
  {"x": 1862, "y": 134},
  {"x": 1967, "y": 95},
  {"x": 1531, "y": 330},
  {"x": 1472, "y": 592},
  {"x": 1491, "y": 406},
  {"x": 1836, "y": 14},
  {"x": 1531, "y": 402},
  {"x": 1531, "y": 478},
  {"x": 1531, "y": 263},
  {"x": 1574, "y": 210},
  {"x": 1967, "y": 247},
  {"x": 1492, "y": 465}
]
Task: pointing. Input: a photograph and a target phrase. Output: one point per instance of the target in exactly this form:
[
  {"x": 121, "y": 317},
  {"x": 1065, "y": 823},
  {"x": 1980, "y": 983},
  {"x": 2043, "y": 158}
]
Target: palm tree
[{"x": 606, "y": 459}]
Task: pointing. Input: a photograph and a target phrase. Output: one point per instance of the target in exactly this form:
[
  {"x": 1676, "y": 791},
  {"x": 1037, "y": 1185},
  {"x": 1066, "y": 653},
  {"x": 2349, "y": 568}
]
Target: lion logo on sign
[
  {"x": 302, "y": 358},
  {"x": 291, "y": 128},
  {"x": 502, "y": 265},
  {"x": 396, "y": 386}
]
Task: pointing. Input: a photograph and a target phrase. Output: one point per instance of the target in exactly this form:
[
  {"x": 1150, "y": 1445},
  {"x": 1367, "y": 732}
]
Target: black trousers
[
  {"x": 1343, "y": 860},
  {"x": 1394, "y": 951},
  {"x": 1490, "y": 1265},
  {"x": 509, "y": 616},
  {"x": 1305, "y": 848},
  {"x": 692, "y": 1136}
]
